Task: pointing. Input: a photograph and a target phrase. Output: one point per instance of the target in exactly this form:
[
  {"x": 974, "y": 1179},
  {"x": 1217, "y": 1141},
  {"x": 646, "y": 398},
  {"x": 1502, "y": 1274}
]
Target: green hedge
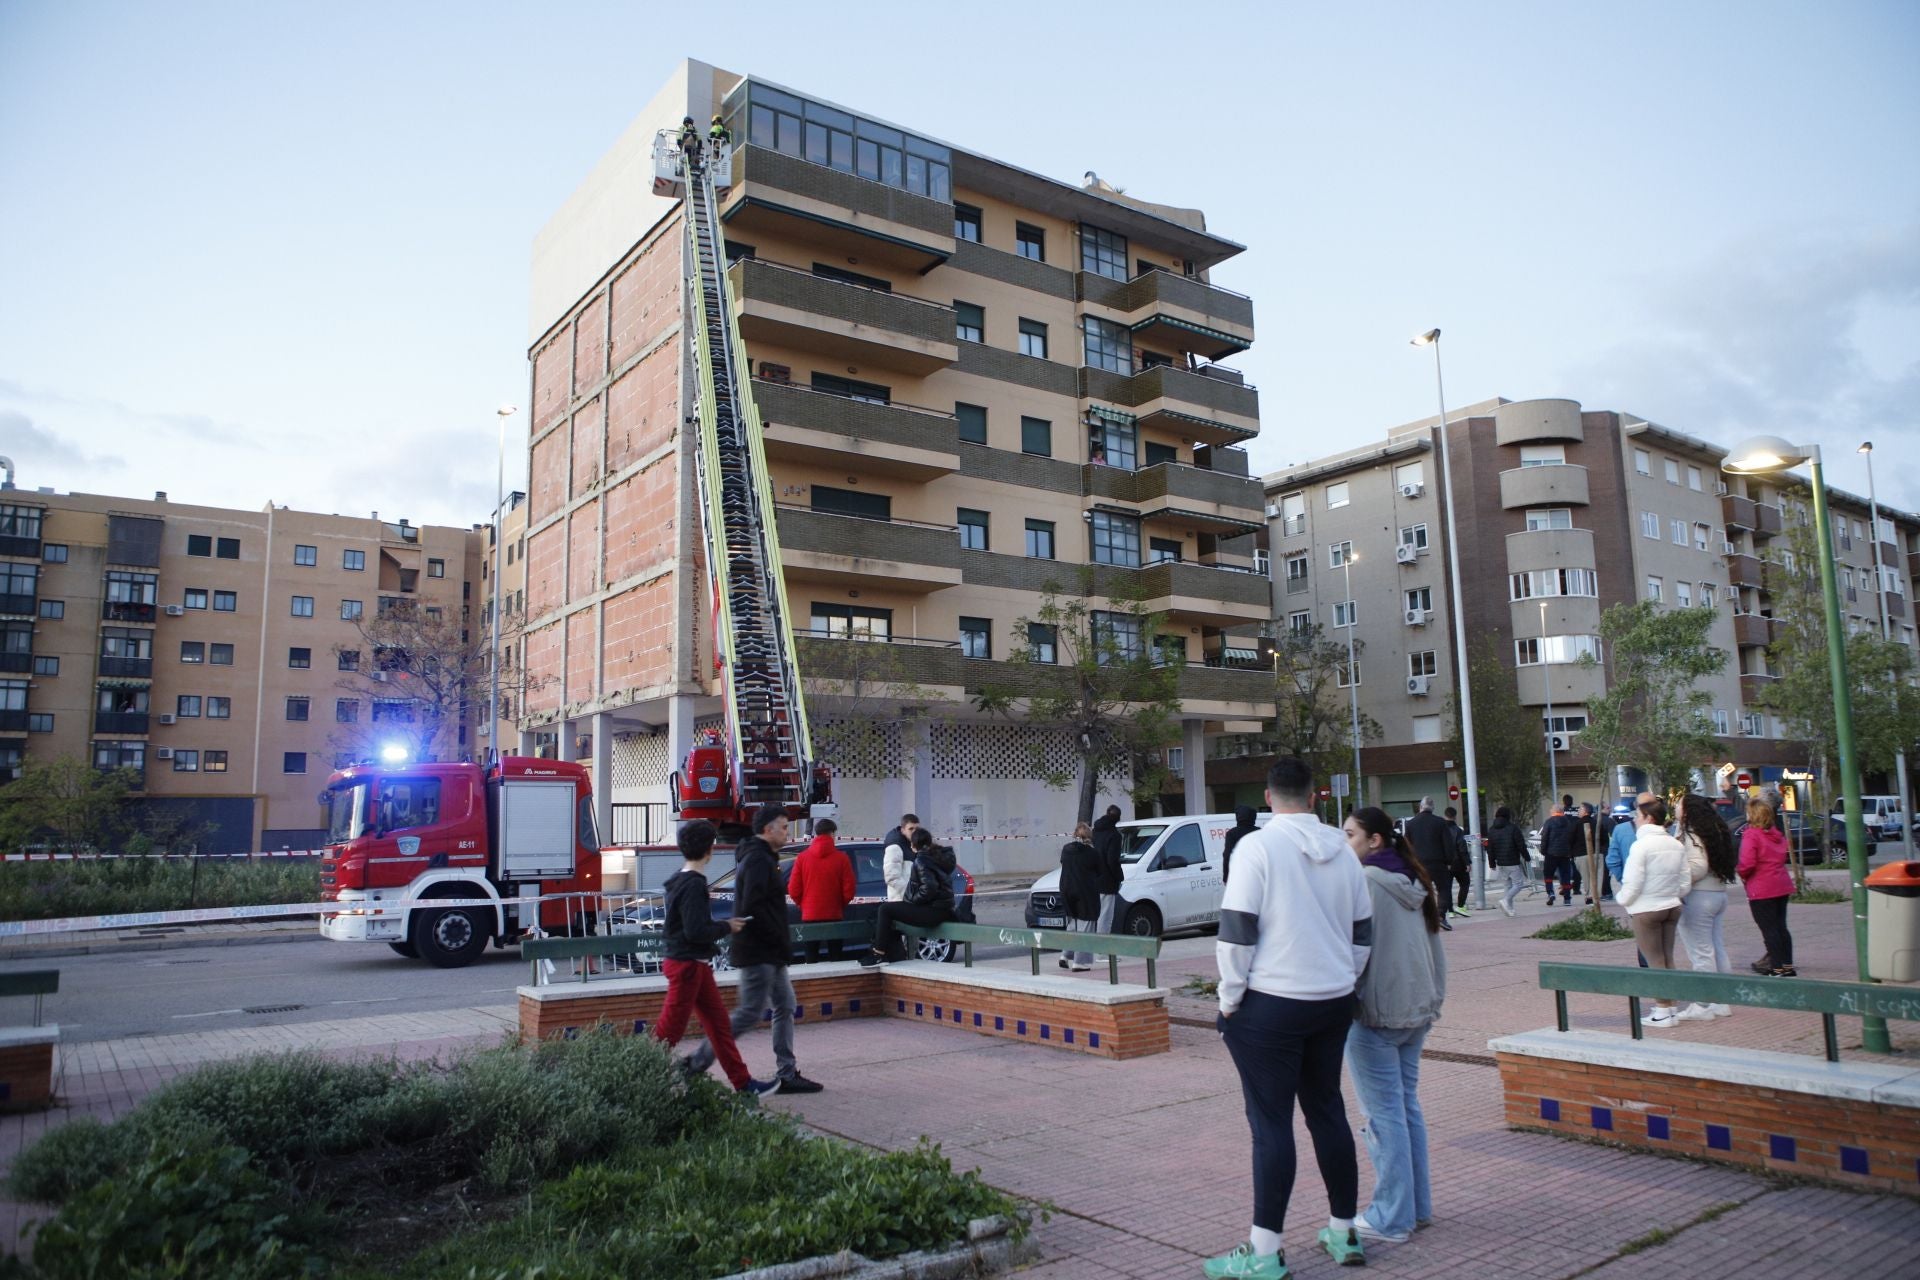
[{"x": 115, "y": 886}]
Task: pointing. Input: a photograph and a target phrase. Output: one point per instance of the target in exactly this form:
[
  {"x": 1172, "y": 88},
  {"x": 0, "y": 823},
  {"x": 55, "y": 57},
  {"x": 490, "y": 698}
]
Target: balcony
[
  {"x": 1198, "y": 499},
  {"x": 1571, "y": 684},
  {"x": 1525, "y": 421},
  {"x": 789, "y": 198},
  {"x": 1174, "y": 312},
  {"x": 803, "y": 425},
  {"x": 1744, "y": 571},
  {"x": 820, "y": 546},
  {"x": 126, "y": 611},
  {"x": 138, "y": 668},
  {"x": 16, "y": 663},
  {"x": 1208, "y": 590},
  {"x": 13, "y": 721},
  {"x": 1531, "y": 549},
  {"x": 1913, "y": 564},
  {"x": 18, "y": 605},
  {"x": 1768, "y": 520},
  {"x": 120, "y": 722},
  {"x": 1752, "y": 629},
  {"x": 13, "y": 544},
  {"x": 1754, "y": 687},
  {"x": 1737, "y": 512},
  {"x": 1550, "y": 486},
  {"x": 1212, "y": 408},
  {"x": 850, "y": 322}
]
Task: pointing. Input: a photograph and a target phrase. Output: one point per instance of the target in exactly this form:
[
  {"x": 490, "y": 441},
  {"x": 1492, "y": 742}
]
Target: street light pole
[
  {"x": 1462, "y": 673},
  {"x": 1353, "y": 681},
  {"x": 1886, "y": 633},
  {"x": 1546, "y": 682},
  {"x": 504, "y": 412},
  {"x": 1764, "y": 455}
]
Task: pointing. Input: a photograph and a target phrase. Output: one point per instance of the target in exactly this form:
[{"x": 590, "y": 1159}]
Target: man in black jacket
[
  {"x": 929, "y": 899},
  {"x": 692, "y": 937},
  {"x": 1432, "y": 839},
  {"x": 762, "y": 948},
  {"x": 1244, "y": 824},
  {"x": 1560, "y": 841},
  {"x": 1106, "y": 843}
]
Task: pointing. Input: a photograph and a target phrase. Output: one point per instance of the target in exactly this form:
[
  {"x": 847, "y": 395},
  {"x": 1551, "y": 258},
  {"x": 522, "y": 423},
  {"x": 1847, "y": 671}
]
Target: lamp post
[
  {"x": 1463, "y": 676},
  {"x": 1886, "y": 633},
  {"x": 1769, "y": 455},
  {"x": 504, "y": 412},
  {"x": 1353, "y": 679},
  {"x": 1546, "y": 682}
]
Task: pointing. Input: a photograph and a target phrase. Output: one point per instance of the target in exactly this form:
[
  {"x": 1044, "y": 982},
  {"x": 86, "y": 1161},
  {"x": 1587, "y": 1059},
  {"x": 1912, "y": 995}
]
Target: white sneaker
[
  {"x": 1721, "y": 1010},
  {"x": 1370, "y": 1232},
  {"x": 1695, "y": 1013},
  {"x": 1658, "y": 1018},
  {"x": 1506, "y": 907}
]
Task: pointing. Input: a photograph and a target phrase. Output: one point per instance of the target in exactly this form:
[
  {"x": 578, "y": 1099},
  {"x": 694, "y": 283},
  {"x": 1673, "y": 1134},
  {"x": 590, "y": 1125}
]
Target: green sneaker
[
  {"x": 1244, "y": 1262},
  {"x": 1343, "y": 1248}
]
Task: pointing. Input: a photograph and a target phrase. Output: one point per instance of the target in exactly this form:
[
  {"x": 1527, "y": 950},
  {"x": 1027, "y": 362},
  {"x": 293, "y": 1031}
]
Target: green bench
[
  {"x": 1113, "y": 945},
  {"x": 38, "y": 983},
  {"x": 653, "y": 942},
  {"x": 1830, "y": 1000}
]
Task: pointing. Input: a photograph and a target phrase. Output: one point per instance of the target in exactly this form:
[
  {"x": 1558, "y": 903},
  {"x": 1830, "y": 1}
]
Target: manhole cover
[{"x": 274, "y": 1008}]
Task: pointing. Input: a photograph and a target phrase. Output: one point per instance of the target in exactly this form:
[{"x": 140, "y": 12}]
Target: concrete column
[
  {"x": 1194, "y": 739},
  {"x": 679, "y": 729},
  {"x": 919, "y": 734},
  {"x": 526, "y": 745},
  {"x": 603, "y": 774},
  {"x": 564, "y": 747}
]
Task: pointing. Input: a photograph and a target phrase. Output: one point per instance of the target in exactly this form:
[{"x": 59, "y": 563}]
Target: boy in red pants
[{"x": 691, "y": 934}]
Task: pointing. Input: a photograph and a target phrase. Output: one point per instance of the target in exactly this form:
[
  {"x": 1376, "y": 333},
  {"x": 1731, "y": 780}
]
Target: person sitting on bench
[{"x": 929, "y": 899}]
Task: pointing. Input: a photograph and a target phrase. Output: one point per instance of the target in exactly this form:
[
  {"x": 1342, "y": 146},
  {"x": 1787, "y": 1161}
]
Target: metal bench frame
[{"x": 38, "y": 983}]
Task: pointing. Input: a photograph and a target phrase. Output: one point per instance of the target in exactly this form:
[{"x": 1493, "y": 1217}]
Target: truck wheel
[
  {"x": 1142, "y": 921},
  {"x": 449, "y": 939},
  {"x": 406, "y": 949}
]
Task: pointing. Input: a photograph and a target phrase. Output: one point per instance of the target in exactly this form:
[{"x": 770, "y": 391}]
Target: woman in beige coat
[{"x": 1655, "y": 883}]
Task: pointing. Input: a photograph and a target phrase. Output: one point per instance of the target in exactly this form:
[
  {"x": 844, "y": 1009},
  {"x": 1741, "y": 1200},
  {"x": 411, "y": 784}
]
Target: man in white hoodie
[{"x": 1296, "y": 925}]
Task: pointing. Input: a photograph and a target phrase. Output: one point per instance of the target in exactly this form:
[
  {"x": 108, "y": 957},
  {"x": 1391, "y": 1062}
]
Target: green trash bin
[{"x": 1893, "y": 922}]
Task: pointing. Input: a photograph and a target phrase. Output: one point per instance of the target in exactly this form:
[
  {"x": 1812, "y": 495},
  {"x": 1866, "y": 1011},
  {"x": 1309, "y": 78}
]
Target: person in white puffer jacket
[{"x": 1655, "y": 883}]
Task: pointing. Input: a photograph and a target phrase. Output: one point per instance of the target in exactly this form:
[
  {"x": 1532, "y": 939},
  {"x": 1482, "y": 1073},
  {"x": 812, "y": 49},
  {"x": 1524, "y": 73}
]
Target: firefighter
[
  {"x": 718, "y": 135},
  {"x": 689, "y": 140}
]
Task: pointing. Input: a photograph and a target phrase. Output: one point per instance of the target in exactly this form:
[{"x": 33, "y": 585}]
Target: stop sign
[
  {"x": 1743, "y": 778},
  {"x": 1453, "y": 793}
]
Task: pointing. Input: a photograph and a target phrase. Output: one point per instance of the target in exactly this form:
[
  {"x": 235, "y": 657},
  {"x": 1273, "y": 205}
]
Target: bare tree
[{"x": 856, "y": 688}]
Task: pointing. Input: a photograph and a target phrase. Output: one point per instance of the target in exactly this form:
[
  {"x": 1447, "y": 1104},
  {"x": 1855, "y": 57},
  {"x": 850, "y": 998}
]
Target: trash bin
[{"x": 1893, "y": 922}]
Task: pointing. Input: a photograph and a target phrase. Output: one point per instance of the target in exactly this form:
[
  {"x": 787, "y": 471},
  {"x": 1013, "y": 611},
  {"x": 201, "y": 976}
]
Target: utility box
[
  {"x": 537, "y": 829},
  {"x": 1893, "y": 922}
]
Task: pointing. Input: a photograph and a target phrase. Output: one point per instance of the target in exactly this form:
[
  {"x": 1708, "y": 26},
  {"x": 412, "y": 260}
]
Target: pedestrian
[
  {"x": 1558, "y": 842},
  {"x": 762, "y": 948},
  {"x": 1712, "y": 866},
  {"x": 1113, "y": 872},
  {"x": 896, "y": 860},
  {"x": 1245, "y": 822},
  {"x": 1619, "y": 842},
  {"x": 1461, "y": 869},
  {"x": 1080, "y": 892},
  {"x": 1295, "y": 927},
  {"x": 1763, "y": 866},
  {"x": 1589, "y": 842},
  {"x": 691, "y": 937},
  {"x": 929, "y": 899},
  {"x": 1397, "y": 1002},
  {"x": 1651, "y": 889},
  {"x": 822, "y": 883},
  {"x": 1432, "y": 842},
  {"x": 1507, "y": 855}
]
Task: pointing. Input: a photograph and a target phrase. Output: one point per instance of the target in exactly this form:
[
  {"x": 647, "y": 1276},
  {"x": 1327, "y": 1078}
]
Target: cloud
[
  {"x": 196, "y": 428},
  {"x": 27, "y": 443}
]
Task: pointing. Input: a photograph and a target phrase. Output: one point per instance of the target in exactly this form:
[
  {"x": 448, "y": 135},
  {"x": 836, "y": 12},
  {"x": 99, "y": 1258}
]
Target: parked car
[
  {"x": 870, "y": 890},
  {"x": 1803, "y": 838},
  {"x": 1171, "y": 869},
  {"x": 1883, "y": 816}
]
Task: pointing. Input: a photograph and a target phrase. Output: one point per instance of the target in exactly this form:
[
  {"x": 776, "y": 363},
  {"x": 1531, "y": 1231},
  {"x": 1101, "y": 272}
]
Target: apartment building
[
  {"x": 975, "y": 380},
  {"x": 215, "y": 652},
  {"x": 1562, "y": 512}
]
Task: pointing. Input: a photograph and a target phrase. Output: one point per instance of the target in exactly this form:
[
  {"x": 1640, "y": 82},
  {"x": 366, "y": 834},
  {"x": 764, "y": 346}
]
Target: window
[
  {"x": 40, "y": 722},
  {"x": 1109, "y": 346},
  {"x": 1033, "y": 339},
  {"x": 1113, "y": 440},
  {"x": 46, "y": 665},
  {"x": 1683, "y": 594},
  {"x": 194, "y": 598},
  {"x": 969, "y": 322},
  {"x": 303, "y": 606},
  {"x": 409, "y": 803},
  {"x": 852, "y": 502},
  {"x": 1345, "y": 678},
  {"x": 299, "y": 659},
  {"x": 186, "y": 761},
  {"x": 1414, "y": 535},
  {"x": 1642, "y": 462},
  {"x": 346, "y": 710},
  {"x": 972, "y": 420},
  {"x": 1043, "y": 643},
  {"x": 844, "y": 276},
  {"x": 1103, "y": 252},
  {"x": 293, "y": 762},
  {"x": 1345, "y": 613},
  {"x": 1337, "y": 496},
  {"x": 1036, "y": 437},
  {"x": 187, "y": 706},
  {"x": 1338, "y": 554},
  {"x": 1164, "y": 550},
  {"x": 1030, "y": 241},
  {"x": 1650, "y": 524},
  {"x": 1552, "y": 518},
  {"x": 53, "y": 610},
  {"x": 200, "y": 544},
  {"x": 1040, "y": 539},
  {"x": 1553, "y": 650},
  {"x": 227, "y": 548},
  {"x": 850, "y": 389},
  {"x": 1553, "y": 582},
  {"x": 349, "y": 659},
  {"x": 1656, "y": 590},
  {"x": 1424, "y": 663},
  {"x": 1693, "y": 479},
  {"x": 54, "y": 553},
  {"x": 219, "y": 655},
  {"x": 1679, "y": 531},
  {"x": 305, "y": 555},
  {"x": 19, "y": 522},
  {"x": 225, "y": 601},
  {"x": 1543, "y": 455},
  {"x": 24, "y": 579},
  {"x": 966, "y": 223},
  {"x": 1708, "y": 592},
  {"x": 1420, "y": 598},
  {"x": 1752, "y": 724},
  {"x": 352, "y": 610},
  {"x": 1116, "y": 539},
  {"x": 1169, "y": 651},
  {"x": 297, "y": 708},
  {"x": 1116, "y": 636},
  {"x": 1300, "y": 621},
  {"x": 973, "y": 528},
  {"x": 1297, "y": 572},
  {"x": 213, "y": 762},
  {"x": 1409, "y": 473},
  {"x": 355, "y": 560},
  {"x": 436, "y": 568},
  {"x": 1673, "y": 470},
  {"x": 850, "y": 622},
  {"x": 120, "y": 755},
  {"x": 13, "y": 695},
  {"x": 1702, "y": 536},
  {"x": 1720, "y": 721},
  {"x": 1426, "y": 729},
  {"x": 976, "y": 637}
]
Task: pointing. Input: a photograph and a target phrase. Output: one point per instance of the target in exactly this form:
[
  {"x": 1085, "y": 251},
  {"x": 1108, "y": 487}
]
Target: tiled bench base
[
  {"x": 26, "y": 1067},
  {"x": 1854, "y": 1123}
]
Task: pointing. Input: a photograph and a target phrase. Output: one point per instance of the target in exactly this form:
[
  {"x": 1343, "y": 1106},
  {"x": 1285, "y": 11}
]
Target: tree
[
  {"x": 1653, "y": 713},
  {"x": 1098, "y": 675},
  {"x": 1312, "y": 709},
  {"x": 865, "y": 686},
  {"x": 1510, "y": 747},
  {"x": 67, "y": 801}
]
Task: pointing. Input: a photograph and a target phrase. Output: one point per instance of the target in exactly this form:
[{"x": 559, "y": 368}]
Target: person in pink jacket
[{"x": 1763, "y": 866}]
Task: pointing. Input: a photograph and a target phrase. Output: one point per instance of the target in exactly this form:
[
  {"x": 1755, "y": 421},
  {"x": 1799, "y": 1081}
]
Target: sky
[{"x": 255, "y": 252}]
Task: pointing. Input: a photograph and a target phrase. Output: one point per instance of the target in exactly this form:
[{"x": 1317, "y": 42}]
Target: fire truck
[{"x": 436, "y": 860}]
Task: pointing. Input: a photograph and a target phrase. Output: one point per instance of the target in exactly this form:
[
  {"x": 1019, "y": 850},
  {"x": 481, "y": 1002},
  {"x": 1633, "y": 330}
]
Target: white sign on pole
[{"x": 1339, "y": 785}]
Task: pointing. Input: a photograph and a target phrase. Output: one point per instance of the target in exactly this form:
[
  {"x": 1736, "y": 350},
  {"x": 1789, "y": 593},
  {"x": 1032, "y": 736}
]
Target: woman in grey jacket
[{"x": 1396, "y": 1003}]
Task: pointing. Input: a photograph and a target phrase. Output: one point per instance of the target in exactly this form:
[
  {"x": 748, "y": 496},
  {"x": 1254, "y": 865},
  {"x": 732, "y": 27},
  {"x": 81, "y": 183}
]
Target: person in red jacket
[{"x": 822, "y": 883}]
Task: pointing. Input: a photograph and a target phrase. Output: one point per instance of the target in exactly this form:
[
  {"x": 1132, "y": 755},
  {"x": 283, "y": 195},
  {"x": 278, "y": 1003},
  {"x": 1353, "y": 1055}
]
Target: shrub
[
  {"x": 117, "y": 886},
  {"x": 1591, "y": 925}
]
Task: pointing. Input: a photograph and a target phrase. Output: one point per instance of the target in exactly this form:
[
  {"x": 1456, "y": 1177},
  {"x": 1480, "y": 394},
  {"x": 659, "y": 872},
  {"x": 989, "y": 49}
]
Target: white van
[
  {"x": 1172, "y": 869},
  {"x": 1883, "y": 815}
]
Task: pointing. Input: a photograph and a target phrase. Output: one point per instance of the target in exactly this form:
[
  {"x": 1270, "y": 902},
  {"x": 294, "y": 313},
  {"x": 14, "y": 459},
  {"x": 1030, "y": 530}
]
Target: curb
[
  {"x": 103, "y": 946},
  {"x": 989, "y": 1248}
]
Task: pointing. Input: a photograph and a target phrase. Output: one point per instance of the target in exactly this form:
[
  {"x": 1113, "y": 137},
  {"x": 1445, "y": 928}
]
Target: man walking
[
  {"x": 1590, "y": 844},
  {"x": 1461, "y": 866},
  {"x": 1106, "y": 844},
  {"x": 1245, "y": 823},
  {"x": 762, "y": 948},
  {"x": 1432, "y": 839},
  {"x": 1558, "y": 843},
  {"x": 1296, "y": 926}
]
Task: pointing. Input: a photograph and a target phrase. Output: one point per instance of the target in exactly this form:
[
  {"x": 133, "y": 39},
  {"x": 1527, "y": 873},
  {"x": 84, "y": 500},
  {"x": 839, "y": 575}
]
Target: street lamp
[
  {"x": 504, "y": 412},
  {"x": 1463, "y": 676},
  {"x": 1546, "y": 682},
  {"x": 1886, "y": 633},
  {"x": 1353, "y": 678},
  {"x": 1769, "y": 455}
]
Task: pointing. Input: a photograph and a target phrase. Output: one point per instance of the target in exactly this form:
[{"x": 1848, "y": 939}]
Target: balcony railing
[
  {"x": 1175, "y": 310},
  {"x": 843, "y": 318},
  {"x": 1752, "y": 629},
  {"x": 901, "y": 426},
  {"x": 13, "y": 721},
  {"x": 141, "y": 667},
  {"x": 16, "y": 663},
  {"x": 18, "y": 603},
  {"x": 1737, "y": 512},
  {"x": 126, "y": 611},
  {"x": 890, "y": 542},
  {"x": 1199, "y": 402},
  {"x": 1744, "y": 571},
  {"x": 1768, "y": 520},
  {"x": 760, "y": 169},
  {"x": 119, "y": 722}
]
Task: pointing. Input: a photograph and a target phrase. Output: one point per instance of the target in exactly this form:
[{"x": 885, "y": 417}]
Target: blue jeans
[{"x": 1385, "y": 1065}]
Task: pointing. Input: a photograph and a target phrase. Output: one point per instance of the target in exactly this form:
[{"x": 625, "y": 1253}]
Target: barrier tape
[
  {"x": 179, "y": 857},
  {"x": 211, "y": 915}
]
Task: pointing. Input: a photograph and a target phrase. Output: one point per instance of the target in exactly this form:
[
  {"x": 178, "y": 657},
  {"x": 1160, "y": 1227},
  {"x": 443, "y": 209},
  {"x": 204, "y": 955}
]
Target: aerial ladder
[{"x": 763, "y": 754}]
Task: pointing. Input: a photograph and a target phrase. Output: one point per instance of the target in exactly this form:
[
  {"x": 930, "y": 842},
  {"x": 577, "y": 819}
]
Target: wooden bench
[
  {"x": 26, "y": 1053},
  {"x": 1112, "y": 945},
  {"x": 653, "y": 943}
]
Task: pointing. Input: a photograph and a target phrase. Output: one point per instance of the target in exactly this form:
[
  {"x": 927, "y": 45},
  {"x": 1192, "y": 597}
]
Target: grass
[
  {"x": 1204, "y": 988},
  {"x": 1590, "y": 925},
  {"x": 1815, "y": 895},
  {"x": 1660, "y": 1235},
  {"x": 118, "y": 886}
]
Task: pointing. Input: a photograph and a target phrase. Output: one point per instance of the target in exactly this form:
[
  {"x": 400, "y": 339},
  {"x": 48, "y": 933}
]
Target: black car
[
  {"x": 870, "y": 890},
  {"x": 1802, "y": 838}
]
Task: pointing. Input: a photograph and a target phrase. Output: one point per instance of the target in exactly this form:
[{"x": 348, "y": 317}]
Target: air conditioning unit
[
  {"x": 163, "y": 753},
  {"x": 1417, "y": 685},
  {"x": 166, "y": 717},
  {"x": 378, "y": 677},
  {"x": 1406, "y": 553},
  {"x": 1412, "y": 490},
  {"x": 1560, "y": 742},
  {"x": 1416, "y": 617},
  {"x": 176, "y": 611}
]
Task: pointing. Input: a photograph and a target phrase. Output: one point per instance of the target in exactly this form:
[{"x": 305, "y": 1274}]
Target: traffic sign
[
  {"x": 1743, "y": 778},
  {"x": 1453, "y": 793}
]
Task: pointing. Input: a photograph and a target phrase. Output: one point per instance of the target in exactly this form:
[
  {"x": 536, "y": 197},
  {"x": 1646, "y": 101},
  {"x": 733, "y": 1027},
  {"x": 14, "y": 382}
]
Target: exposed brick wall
[
  {"x": 580, "y": 674},
  {"x": 26, "y": 1076},
  {"x": 641, "y": 637},
  {"x": 589, "y": 425},
  {"x": 583, "y": 551},
  {"x": 643, "y": 407},
  {"x": 646, "y": 294},
  {"x": 548, "y": 492},
  {"x": 545, "y": 553},
  {"x": 590, "y": 346},
  {"x": 542, "y": 650},
  {"x": 640, "y": 521},
  {"x": 1857, "y": 1143},
  {"x": 1008, "y": 467},
  {"x": 552, "y": 380}
]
